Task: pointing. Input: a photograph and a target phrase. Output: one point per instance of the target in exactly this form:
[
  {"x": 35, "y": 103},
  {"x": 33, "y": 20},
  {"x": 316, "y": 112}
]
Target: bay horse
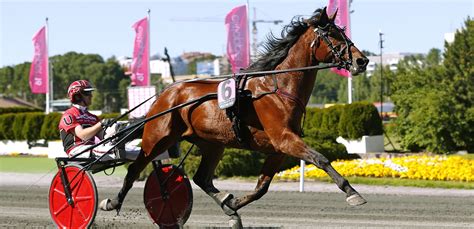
[{"x": 273, "y": 117}]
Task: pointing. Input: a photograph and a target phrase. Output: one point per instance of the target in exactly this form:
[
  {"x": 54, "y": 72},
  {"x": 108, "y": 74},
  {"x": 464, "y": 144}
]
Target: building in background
[
  {"x": 207, "y": 67},
  {"x": 390, "y": 59}
]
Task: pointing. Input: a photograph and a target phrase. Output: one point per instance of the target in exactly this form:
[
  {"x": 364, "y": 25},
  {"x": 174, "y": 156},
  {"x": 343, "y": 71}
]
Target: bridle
[{"x": 323, "y": 33}]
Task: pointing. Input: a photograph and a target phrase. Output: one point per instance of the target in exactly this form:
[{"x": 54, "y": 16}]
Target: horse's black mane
[{"x": 276, "y": 49}]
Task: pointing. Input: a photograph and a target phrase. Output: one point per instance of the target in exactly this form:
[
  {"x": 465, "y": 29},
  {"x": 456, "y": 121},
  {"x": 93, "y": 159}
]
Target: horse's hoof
[
  {"x": 356, "y": 200},
  {"x": 235, "y": 222},
  {"x": 109, "y": 205},
  {"x": 103, "y": 205},
  {"x": 106, "y": 205}
]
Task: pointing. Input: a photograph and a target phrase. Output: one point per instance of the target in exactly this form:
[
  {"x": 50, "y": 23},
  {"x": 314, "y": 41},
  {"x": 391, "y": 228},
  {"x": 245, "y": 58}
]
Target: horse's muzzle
[{"x": 359, "y": 65}]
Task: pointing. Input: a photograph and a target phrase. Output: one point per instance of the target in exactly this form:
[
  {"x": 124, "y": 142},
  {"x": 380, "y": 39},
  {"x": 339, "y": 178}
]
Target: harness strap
[
  {"x": 295, "y": 99},
  {"x": 298, "y": 102}
]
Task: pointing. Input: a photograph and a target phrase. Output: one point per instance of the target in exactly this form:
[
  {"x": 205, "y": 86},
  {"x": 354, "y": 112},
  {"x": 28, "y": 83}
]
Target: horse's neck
[{"x": 299, "y": 84}]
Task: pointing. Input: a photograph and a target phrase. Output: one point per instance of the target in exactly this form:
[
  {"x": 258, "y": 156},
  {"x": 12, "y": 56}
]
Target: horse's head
[{"x": 331, "y": 45}]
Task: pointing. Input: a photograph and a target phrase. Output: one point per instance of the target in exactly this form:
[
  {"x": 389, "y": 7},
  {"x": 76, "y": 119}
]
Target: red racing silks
[
  {"x": 238, "y": 48},
  {"x": 140, "y": 62},
  {"x": 39, "y": 66},
  {"x": 342, "y": 20}
]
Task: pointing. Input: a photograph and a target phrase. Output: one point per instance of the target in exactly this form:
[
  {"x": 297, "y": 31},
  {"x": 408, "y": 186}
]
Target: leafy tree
[
  {"x": 434, "y": 99},
  {"x": 374, "y": 84},
  {"x": 459, "y": 81},
  {"x": 326, "y": 87},
  {"x": 342, "y": 92},
  {"x": 361, "y": 88}
]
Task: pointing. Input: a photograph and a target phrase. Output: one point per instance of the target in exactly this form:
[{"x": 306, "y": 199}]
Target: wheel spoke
[
  {"x": 77, "y": 184},
  {"x": 59, "y": 191},
  {"x": 64, "y": 206},
  {"x": 176, "y": 188},
  {"x": 83, "y": 198},
  {"x": 155, "y": 198},
  {"x": 81, "y": 213},
  {"x": 160, "y": 213}
]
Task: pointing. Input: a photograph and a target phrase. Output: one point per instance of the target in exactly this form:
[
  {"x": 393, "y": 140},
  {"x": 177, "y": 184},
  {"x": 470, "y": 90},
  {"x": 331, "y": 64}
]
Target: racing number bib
[{"x": 226, "y": 93}]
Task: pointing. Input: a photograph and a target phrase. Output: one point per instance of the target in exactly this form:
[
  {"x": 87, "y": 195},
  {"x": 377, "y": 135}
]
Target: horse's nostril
[{"x": 361, "y": 61}]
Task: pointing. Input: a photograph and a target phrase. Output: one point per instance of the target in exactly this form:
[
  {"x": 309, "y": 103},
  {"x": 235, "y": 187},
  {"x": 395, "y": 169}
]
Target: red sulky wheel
[
  {"x": 84, "y": 194},
  {"x": 171, "y": 206}
]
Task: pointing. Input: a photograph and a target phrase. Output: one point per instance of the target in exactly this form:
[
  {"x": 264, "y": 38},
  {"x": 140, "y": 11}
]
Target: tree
[
  {"x": 361, "y": 87},
  {"x": 434, "y": 99},
  {"x": 326, "y": 87},
  {"x": 459, "y": 81}
]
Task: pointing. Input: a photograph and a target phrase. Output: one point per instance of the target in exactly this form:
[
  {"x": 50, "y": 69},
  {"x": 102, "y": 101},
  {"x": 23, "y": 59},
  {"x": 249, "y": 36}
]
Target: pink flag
[
  {"x": 342, "y": 20},
  {"x": 39, "y": 65},
  {"x": 238, "y": 48},
  {"x": 140, "y": 60}
]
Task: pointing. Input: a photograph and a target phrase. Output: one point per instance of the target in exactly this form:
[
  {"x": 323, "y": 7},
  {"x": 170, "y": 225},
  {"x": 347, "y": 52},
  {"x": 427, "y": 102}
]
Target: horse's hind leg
[
  {"x": 211, "y": 155},
  {"x": 270, "y": 167},
  {"x": 134, "y": 170}
]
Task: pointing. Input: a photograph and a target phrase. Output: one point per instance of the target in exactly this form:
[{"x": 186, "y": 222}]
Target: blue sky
[{"x": 104, "y": 26}]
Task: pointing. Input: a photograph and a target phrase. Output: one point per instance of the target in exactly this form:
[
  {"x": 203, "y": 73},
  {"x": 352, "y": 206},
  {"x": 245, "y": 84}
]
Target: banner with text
[
  {"x": 342, "y": 20},
  {"x": 140, "y": 62},
  {"x": 39, "y": 65},
  {"x": 238, "y": 48}
]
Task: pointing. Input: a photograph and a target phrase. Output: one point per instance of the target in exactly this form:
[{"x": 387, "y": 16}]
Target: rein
[{"x": 264, "y": 73}]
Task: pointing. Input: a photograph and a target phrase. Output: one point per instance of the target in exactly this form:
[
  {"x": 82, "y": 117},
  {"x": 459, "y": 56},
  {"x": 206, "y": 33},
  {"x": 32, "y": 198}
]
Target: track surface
[{"x": 23, "y": 205}]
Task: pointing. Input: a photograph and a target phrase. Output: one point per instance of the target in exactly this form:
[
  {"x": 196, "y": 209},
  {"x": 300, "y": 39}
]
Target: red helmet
[{"x": 78, "y": 87}]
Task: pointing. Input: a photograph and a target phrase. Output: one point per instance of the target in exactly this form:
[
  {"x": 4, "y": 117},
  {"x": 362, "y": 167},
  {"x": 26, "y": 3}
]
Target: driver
[{"x": 78, "y": 127}]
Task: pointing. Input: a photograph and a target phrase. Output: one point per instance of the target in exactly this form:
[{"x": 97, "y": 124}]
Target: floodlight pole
[{"x": 381, "y": 74}]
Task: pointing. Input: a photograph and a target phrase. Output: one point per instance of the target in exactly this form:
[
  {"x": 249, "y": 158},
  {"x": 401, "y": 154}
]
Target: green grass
[
  {"x": 26, "y": 164},
  {"x": 32, "y": 164}
]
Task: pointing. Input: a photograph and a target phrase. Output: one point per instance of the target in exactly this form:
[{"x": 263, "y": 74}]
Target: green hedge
[
  {"x": 359, "y": 119},
  {"x": 112, "y": 116},
  {"x": 17, "y": 126},
  {"x": 32, "y": 126},
  {"x": 6, "y": 126},
  {"x": 350, "y": 121},
  {"x": 6, "y": 110},
  {"x": 49, "y": 129}
]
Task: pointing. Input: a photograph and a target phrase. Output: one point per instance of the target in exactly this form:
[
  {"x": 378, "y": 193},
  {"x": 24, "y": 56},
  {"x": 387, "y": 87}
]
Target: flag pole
[
  {"x": 248, "y": 30},
  {"x": 149, "y": 41},
  {"x": 349, "y": 78},
  {"x": 49, "y": 93}
]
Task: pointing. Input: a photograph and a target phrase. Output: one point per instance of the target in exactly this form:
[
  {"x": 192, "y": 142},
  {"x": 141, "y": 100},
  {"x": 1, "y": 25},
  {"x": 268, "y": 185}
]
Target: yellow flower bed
[{"x": 423, "y": 167}]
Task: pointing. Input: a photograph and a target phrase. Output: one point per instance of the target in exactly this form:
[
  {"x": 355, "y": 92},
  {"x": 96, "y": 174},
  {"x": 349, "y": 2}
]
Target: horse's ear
[
  {"x": 323, "y": 19},
  {"x": 333, "y": 16}
]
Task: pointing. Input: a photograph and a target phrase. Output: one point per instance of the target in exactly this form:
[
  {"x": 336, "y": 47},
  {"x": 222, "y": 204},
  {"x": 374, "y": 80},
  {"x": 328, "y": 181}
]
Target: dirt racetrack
[{"x": 24, "y": 204}]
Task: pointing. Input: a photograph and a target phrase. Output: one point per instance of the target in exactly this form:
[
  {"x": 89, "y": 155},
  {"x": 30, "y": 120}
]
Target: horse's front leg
[
  {"x": 270, "y": 167},
  {"x": 293, "y": 145}
]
